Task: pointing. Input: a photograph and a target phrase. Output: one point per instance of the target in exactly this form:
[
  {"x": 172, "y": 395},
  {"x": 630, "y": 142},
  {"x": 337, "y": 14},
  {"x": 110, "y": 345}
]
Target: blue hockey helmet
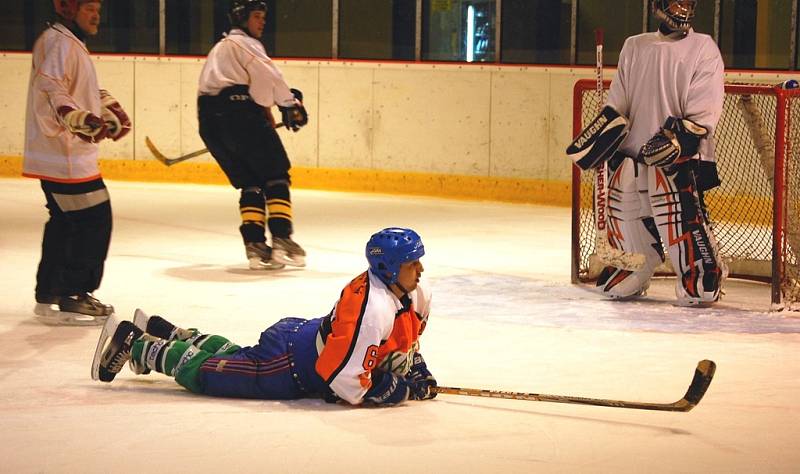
[
  {"x": 390, "y": 248},
  {"x": 677, "y": 14}
]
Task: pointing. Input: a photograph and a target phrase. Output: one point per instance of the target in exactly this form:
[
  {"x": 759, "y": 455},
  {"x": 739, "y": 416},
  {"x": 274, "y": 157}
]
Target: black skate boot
[
  {"x": 85, "y": 303},
  {"x": 159, "y": 327},
  {"x": 109, "y": 358},
  {"x": 286, "y": 251},
  {"x": 78, "y": 310},
  {"x": 260, "y": 255}
]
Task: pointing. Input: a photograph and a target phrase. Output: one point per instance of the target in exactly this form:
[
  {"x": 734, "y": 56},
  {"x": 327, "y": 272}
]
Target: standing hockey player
[
  {"x": 365, "y": 349},
  {"x": 67, "y": 115},
  {"x": 238, "y": 85},
  {"x": 670, "y": 86}
]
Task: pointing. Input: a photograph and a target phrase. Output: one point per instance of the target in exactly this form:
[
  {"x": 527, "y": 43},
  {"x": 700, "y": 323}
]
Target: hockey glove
[
  {"x": 294, "y": 116},
  {"x": 82, "y": 123},
  {"x": 114, "y": 116},
  {"x": 420, "y": 380},
  {"x": 676, "y": 142},
  {"x": 387, "y": 389}
]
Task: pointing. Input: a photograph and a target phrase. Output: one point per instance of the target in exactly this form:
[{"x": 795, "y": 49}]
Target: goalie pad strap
[{"x": 599, "y": 140}]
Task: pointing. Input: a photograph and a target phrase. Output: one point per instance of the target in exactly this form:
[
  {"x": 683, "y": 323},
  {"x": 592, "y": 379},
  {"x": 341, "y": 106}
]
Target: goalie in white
[{"x": 670, "y": 86}]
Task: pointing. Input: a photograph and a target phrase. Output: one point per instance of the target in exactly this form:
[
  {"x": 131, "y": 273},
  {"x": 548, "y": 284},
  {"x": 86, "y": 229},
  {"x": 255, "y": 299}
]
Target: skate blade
[
  {"x": 52, "y": 316},
  {"x": 108, "y": 330},
  {"x": 258, "y": 264},
  {"x": 140, "y": 319},
  {"x": 282, "y": 258}
]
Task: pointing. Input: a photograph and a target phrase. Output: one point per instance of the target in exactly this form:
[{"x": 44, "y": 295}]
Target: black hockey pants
[
  {"x": 76, "y": 238},
  {"x": 237, "y": 133}
]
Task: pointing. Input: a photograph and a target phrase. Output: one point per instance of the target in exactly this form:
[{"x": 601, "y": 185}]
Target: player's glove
[
  {"x": 387, "y": 389},
  {"x": 82, "y": 123},
  {"x": 114, "y": 116},
  {"x": 676, "y": 142},
  {"x": 420, "y": 380},
  {"x": 294, "y": 116}
]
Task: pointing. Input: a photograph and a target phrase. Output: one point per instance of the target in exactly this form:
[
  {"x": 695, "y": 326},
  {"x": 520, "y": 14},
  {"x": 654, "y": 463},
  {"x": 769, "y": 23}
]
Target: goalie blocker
[{"x": 599, "y": 140}]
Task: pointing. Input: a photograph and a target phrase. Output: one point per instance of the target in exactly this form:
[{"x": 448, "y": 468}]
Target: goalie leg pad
[
  {"x": 599, "y": 140},
  {"x": 631, "y": 229},
  {"x": 682, "y": 224}
]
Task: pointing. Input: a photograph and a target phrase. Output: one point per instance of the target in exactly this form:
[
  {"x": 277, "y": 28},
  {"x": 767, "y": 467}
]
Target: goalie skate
[{"x": 109, "y": 358}]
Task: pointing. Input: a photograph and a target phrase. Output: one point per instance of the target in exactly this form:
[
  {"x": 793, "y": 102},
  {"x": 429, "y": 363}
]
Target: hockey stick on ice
[
  {"x": 605, "y": 251},
  {"x": 171, "y": 161},
  {"x": 702, "y": 379}
]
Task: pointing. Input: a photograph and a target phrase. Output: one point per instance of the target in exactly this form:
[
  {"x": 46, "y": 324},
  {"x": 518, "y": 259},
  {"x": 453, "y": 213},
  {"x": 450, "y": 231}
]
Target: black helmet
[
  {"x": 240, "y": 10},
  {"x": 677, "y": 14}
]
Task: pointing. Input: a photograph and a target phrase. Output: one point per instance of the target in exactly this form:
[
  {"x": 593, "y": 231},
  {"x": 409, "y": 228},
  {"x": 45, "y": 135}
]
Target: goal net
[{"x": 755, "y": 213}]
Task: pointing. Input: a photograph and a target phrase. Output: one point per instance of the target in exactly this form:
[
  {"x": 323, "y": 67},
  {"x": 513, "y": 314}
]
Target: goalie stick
[
  {"x": 702, "y": 379},
  {"x": 171, "y": 161},
  {"x": 607, "y": 253}
]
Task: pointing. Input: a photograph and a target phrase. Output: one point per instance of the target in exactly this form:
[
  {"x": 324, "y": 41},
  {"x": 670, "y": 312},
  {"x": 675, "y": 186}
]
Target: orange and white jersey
[
  {"x": 369, "y": 328},
  {"x": 62, "y": 75},
  {"x": 240, "y": 59}
]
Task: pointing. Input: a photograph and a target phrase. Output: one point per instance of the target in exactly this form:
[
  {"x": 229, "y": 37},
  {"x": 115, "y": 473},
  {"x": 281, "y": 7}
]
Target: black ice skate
[
  {"x": 109, "y": 358},
  {"x": 78, "y": 310},
  {"x": 260, "y": 256},
  {"x": 286, "y": 251}
]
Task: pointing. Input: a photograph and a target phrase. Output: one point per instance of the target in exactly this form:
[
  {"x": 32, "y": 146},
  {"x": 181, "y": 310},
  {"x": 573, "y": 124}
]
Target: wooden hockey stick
[
  {"x": 703, "y": 375},
  {"x": 603, "y": 248},
  {"x": 171, "y": 161}
]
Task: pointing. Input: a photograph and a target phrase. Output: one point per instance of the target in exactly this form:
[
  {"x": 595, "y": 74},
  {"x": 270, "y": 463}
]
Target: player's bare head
[
  {"x": 676, "y": 14},
  {"x": 84, "y": 13},
  {"x": 249, "y": 15}
]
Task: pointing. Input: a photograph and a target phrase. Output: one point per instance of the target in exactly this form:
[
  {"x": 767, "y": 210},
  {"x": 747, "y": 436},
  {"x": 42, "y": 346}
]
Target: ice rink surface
[{"x": 504, "y": 317}]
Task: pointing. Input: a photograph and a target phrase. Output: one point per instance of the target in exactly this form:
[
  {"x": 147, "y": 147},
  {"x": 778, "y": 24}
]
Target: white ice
[{"x": 505, "y": 317}]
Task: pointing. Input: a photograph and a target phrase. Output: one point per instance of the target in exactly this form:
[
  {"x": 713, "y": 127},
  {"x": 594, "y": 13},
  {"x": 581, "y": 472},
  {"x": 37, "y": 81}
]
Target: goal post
[{"x": 755, "y": 213}]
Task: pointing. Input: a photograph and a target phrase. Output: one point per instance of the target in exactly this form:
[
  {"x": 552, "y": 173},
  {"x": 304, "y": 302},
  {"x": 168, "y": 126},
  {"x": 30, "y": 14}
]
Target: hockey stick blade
[
  {"x": 171, "y": 161},
  {"x": 702, "y": 379}
]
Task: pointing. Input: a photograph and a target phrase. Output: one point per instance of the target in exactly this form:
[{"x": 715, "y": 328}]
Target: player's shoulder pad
[{"x": 599, "y": 140}]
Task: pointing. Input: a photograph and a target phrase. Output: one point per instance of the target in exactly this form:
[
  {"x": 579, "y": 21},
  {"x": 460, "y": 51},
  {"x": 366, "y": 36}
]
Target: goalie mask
[
  {"x": 240, "y": 10},
  {"x": 390, "y": 248},
  {"x": 67, "y": 9},
  {"x": 677, "y": 14}
]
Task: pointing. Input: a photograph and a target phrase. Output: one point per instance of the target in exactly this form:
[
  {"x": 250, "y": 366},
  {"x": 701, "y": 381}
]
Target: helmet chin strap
[{"x": 397, "y": 284}]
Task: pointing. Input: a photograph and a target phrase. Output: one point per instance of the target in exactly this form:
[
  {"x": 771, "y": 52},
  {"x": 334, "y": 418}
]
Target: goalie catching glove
[
  {"x": 676, "y": 142},
  {"x": 114, "y": 116},
  {"x": 82, "y": 123},
  {"x": 294, "y": 116},
  {"x": 598, "y": 142}
]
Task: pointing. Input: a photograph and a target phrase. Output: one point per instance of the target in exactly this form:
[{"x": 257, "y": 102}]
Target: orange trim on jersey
[
  {"x": 344, "y": 328},
  {"x": 62, "y": 180}
]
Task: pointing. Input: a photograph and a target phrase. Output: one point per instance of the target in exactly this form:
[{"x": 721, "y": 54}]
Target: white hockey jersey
[
  {"x": 240, "y": 59},
  {"x": 659, "y": 77},
  {"x": 62, "y": 74},
  {"x": 370, "y": 329}
]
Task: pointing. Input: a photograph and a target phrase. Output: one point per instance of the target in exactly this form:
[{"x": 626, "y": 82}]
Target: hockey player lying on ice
[{"x": 365, "y": 349}]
